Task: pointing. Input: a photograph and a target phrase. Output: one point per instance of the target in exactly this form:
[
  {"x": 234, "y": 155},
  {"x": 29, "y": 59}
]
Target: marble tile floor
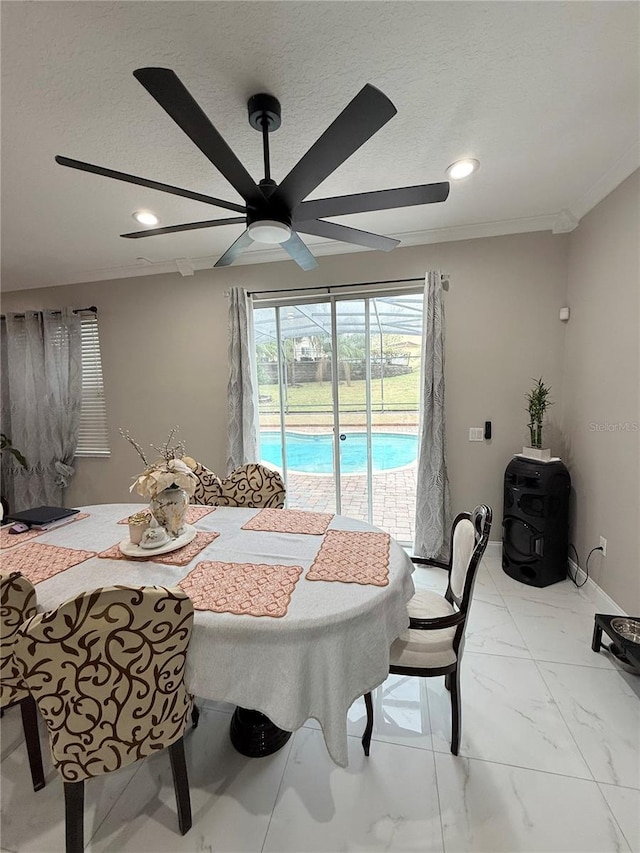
[{"x": 549, "y": 760}]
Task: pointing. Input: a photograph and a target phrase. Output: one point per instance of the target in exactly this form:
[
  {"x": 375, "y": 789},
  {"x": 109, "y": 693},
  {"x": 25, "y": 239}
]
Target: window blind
[{"x": 93, "y": 439}]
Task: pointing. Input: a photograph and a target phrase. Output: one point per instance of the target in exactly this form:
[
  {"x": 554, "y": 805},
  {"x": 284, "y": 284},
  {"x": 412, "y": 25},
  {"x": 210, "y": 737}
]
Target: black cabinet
[{"x": 535, "y": 522}]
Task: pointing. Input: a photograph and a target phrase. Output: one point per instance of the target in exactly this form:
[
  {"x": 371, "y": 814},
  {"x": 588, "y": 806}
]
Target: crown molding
[
  {"x": 185, "y": 267},
  {"x": 565, "y": 222},
  {"x": 624, "y": 166}
]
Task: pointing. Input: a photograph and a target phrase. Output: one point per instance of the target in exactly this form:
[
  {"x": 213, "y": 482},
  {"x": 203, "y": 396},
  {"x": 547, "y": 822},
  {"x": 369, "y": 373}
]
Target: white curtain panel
[
  {"x": 41, "y": 403},
  {"x": 433, "y": 500},
  {"x": 241, "y": 390}
]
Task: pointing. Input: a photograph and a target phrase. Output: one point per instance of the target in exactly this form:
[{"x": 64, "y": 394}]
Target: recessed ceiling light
[
  {"x": 462, "y": 169},
  {"x": 145, "y": 217}
]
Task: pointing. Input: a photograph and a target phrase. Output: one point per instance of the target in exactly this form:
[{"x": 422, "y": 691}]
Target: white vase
[
  {"x": 169, "y": 508},
  {"x": 541, "y": 453}
]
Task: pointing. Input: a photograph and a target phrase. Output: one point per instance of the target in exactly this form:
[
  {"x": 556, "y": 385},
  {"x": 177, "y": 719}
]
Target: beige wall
[
  {"x": 601, "y": 409},
  {"x": 164, "y": 348}
]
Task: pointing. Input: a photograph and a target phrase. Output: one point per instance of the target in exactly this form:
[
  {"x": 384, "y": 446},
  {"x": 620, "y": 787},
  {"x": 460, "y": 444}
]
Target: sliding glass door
[{"x": 338, "y": 402}]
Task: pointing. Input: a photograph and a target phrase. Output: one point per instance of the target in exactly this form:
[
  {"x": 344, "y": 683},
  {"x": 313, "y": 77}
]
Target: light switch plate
[{"x": 476, "y": 433}]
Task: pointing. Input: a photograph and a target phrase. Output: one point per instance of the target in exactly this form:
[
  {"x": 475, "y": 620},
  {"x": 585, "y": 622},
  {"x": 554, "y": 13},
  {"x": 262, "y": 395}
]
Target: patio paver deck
[{"x": 394, "y": 498}]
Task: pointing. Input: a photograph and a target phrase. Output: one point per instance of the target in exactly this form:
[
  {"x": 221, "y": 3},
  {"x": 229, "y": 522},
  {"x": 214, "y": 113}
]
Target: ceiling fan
[{"x": 277, "y": 213}]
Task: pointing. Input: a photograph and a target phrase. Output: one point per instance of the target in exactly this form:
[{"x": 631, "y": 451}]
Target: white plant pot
[{"x": 541, "y": 453}]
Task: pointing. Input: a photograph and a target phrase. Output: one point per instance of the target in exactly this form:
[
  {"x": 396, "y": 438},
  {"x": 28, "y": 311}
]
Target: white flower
[{"x": 171, "y": 469}]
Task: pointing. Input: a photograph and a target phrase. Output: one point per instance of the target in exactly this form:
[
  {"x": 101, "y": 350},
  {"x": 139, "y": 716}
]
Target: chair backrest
[
  {"x": 106, "y": 669},
  {"x": 208, "y": 487},
  {"x": 469, "y": 538},
  {"x": 17, "y": 604},
  {"x": 252, "y": 485}
]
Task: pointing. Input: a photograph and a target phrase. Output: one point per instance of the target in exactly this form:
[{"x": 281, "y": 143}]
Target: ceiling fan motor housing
[{"x": 269, "y": 211}]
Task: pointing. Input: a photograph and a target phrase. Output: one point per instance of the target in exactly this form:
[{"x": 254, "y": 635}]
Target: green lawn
[{"x": 401, "y": 393}]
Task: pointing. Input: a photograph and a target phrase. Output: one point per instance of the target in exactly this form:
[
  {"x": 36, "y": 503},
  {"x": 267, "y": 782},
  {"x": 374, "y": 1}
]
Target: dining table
[{"x": 295, "y": 611}]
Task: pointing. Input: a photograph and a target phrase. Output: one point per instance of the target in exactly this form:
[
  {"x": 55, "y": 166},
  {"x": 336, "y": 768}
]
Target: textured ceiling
[{"x": 544, "y": 94}]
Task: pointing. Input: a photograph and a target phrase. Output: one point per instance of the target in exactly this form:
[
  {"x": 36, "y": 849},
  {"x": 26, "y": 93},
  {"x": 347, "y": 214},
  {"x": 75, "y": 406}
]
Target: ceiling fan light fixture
[
  {"x": 269, "y": 231},
  {"x": 145, "y": 217},
  {"x": 462, "y": 169}
]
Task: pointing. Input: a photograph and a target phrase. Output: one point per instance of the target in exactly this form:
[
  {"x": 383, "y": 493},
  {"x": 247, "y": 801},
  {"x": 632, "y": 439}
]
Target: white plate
[{"x": 130, "y": 550}]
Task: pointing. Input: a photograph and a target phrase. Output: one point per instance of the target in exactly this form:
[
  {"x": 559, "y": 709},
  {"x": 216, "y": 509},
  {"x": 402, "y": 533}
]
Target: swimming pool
[{"x": 313, "y": 454}]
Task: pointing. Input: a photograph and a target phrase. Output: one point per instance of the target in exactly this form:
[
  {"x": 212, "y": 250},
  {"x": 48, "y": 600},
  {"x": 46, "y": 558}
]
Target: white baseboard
[
  {"x": 601, "y": 600},
  {"x": 494, "y": 550},
  {"x": 596, "y": 592}
]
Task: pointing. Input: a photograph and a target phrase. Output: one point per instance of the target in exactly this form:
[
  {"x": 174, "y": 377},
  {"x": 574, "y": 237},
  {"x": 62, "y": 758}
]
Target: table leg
[
  {"x": 254, "y": 735},
  {"x": 597, "y": 638}
]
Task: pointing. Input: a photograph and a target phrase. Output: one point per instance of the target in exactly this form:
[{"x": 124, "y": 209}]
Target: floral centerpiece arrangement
[
  {"x": 167, "y": 483},
  {"x": 171, "y": 468}
]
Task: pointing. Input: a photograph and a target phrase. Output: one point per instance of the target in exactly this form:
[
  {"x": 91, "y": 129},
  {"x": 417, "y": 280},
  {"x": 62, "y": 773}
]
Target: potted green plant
[
  {"x": 538, "y": 401},
  {"x": 6, "y": 446}
]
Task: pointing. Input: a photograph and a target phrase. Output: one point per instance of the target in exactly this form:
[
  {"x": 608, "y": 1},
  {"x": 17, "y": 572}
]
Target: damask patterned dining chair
[
  {"x": 17, "y": 604},
  {"x": 253, "y": 485},
  {"x": 208, "y": 487},
  {"x": 434, "y": 641},
  {"x": 106, "y": 669}
]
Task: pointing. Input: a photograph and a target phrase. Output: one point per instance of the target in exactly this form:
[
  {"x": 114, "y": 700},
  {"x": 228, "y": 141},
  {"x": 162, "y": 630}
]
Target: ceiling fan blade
[
  {"x": 360, "y": 119},
  {"x": 377, "y": 200},
  {"x": 143, "y": 182},
  {"x": 190, "y": 226},
  {"x": 243, "y": 242},
  {"x": 299, "y": 251},
  {"x": 165, "y": 86},
  {"x": 347, "y": 235}
]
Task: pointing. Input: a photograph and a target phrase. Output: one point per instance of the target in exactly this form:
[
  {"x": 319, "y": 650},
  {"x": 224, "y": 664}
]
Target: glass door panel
[
  {"x": 353, "y": 421},
  {"x": 396, "y": 328},
  {"x": 293, "y": 348}
]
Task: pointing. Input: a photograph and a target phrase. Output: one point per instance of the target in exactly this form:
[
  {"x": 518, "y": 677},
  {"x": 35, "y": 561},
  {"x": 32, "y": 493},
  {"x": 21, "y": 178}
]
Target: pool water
[{"x": 313, "y": 454}]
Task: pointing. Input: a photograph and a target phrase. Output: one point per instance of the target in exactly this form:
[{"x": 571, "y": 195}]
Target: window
[{"x": 92, "y": 437}]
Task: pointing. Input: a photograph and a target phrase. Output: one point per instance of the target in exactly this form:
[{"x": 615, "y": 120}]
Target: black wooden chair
[{"x": 434, "y": 641}]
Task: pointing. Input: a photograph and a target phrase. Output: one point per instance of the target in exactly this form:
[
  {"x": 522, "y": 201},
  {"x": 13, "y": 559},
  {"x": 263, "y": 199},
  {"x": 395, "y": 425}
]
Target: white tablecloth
[{"x": 330, "y": 648}]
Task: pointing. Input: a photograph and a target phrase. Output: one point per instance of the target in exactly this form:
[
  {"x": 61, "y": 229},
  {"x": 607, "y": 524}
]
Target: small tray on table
[{"x": 130, "y": 550}]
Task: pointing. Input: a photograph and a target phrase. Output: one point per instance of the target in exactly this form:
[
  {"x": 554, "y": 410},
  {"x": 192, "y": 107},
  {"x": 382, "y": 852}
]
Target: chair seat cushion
[
  {"x": 424, "y": 649},
  {"x": 427, "y": 604}
]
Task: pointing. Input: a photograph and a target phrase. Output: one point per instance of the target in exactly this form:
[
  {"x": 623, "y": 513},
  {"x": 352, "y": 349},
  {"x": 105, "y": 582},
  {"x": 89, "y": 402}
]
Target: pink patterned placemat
[
  {"x": 352, "y": 556},
  {"x": 253, "y": 589},
  {"x": 10, "y": 540},
  {"x": 180, "y": 557},
  {"x": 39, "y": 562},
  {"x": 193, "y": 514},
  {"x": 289, "y": 521}
]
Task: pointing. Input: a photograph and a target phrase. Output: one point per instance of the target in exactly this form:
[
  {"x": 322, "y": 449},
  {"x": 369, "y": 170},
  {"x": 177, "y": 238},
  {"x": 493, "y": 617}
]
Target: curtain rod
[
  {"x": 444, "y": 277},
  {"x": 91, "y": 308}
]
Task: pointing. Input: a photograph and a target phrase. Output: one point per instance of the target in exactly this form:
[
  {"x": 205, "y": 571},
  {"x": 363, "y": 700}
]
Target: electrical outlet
[
  {"x": 476, "y": 434},
  {"x": 603, "y": 545}
]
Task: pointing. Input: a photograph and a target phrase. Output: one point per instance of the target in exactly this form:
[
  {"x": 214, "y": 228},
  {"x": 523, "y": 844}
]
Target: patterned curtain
[
  {"x": 41, "y": 402},
  {"x": 242, "y": 432},
  {"x": 433, "y": 503}
]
